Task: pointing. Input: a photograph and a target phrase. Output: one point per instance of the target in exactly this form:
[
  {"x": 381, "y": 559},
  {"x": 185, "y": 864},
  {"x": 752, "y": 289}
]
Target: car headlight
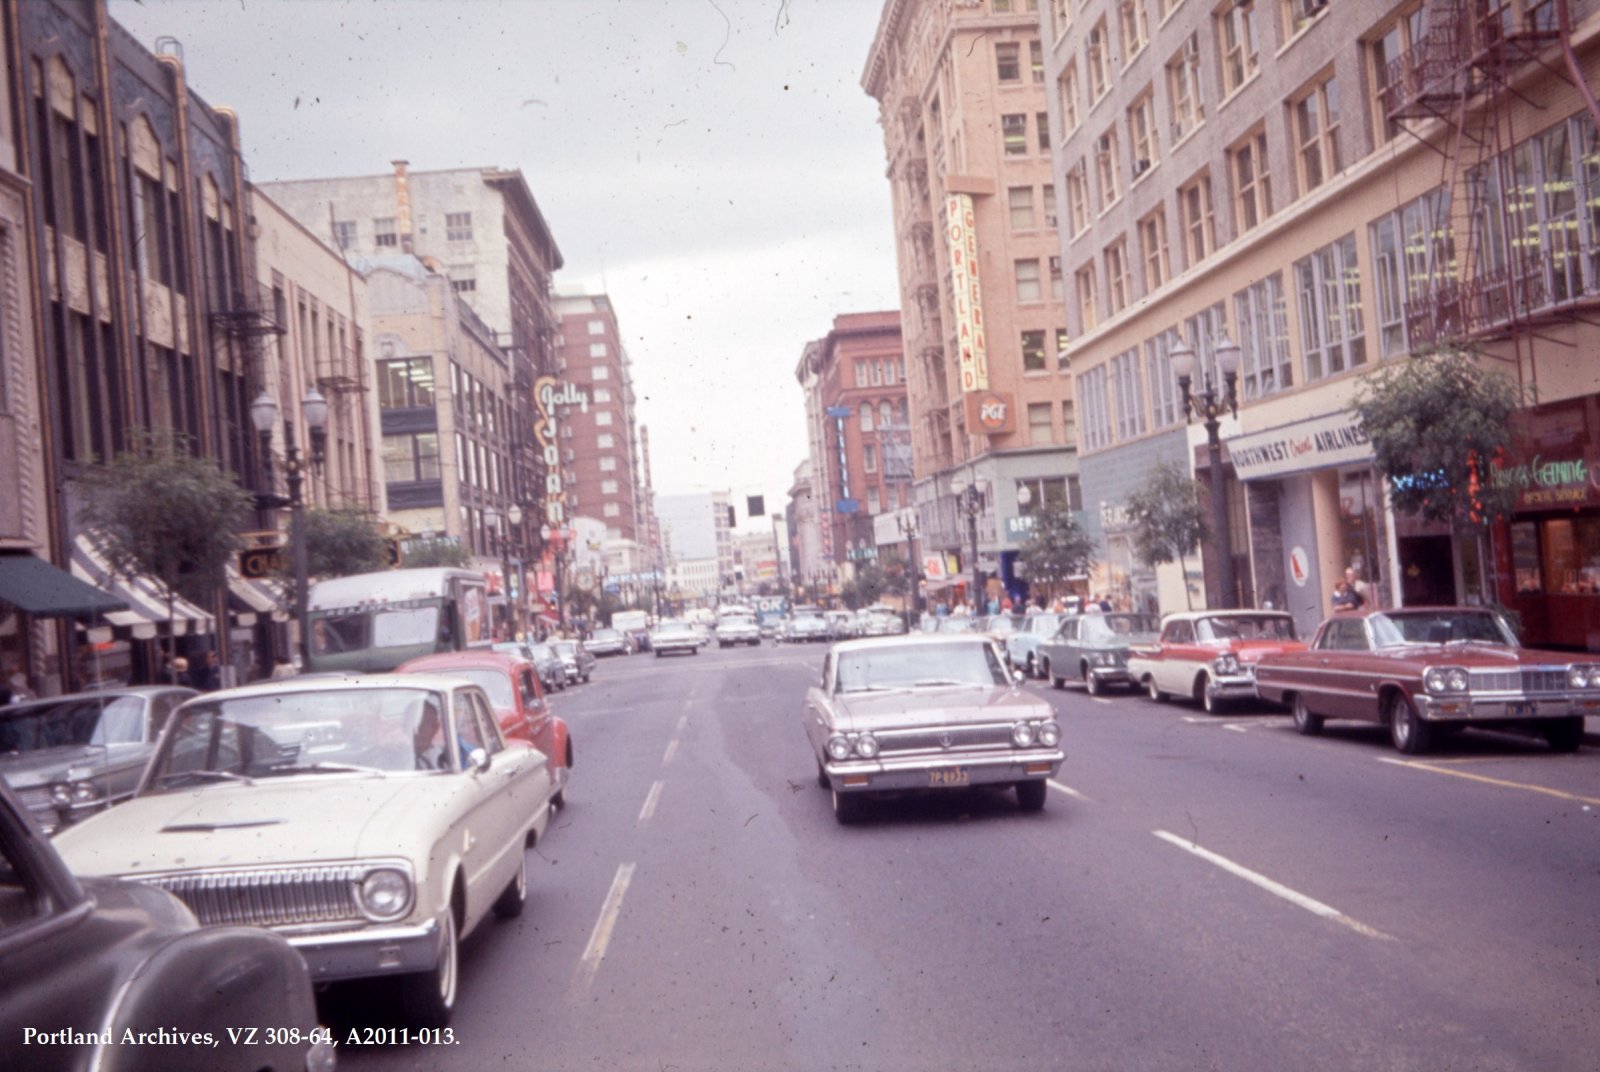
[
  {"x": 1458, "y": 679},
  {"x": 1226, "y": 663},
  {"x": 1594, "y": 675},
  {"x": 1581, "y": 677},
  {"x": 866, "y": 746},
  {"x": 385, "y": 894},
  {"x": 61, "y": 794},
  {"x": 1446, "y": 679},
  {"x": 1022, "y": 734},
  {"x": 86, "y": 793},
  {"x": 839, "y": 747},
  {"x": 1049, "y": 734}
]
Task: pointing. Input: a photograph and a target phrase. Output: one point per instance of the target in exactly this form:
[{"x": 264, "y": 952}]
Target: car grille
[
  {"x": 36, "y": 797},
  {"x": 268, "y": 898},
  {"x": 1529, "y": 680},
  {"x": 931, "y": 740}
]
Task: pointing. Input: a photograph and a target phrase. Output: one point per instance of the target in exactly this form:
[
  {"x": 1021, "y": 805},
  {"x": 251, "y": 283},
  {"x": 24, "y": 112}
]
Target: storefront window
[
  {"x": 1525, "y": 557},
  {"x": 1571, "y": 556},
  {"x": 1361, "y": 532}
]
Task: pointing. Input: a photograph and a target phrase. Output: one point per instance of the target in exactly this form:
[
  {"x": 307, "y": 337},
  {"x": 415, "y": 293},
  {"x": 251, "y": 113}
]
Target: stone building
[{"x": 961, "y": 90}]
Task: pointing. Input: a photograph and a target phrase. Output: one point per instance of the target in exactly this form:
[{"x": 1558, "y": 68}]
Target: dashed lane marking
[
  {"x": 595, "y": 952},
  {"x": 650, "y": 800},
  {"x": 672, "y": 750},
  {"x": 1067, "y": 789}
]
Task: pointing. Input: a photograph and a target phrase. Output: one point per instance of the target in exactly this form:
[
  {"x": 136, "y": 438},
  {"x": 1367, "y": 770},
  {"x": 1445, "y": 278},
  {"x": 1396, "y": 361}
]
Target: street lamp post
[
  {"x": 970, "y": 499},
  {"x": 264, "y": 414},
  {"x": 906, "y": 522},
  {"x": 1213, "y": 400},
  {"x": 502, "y": 542}
]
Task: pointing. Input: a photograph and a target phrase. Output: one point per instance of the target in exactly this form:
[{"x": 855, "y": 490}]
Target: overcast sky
[{"x": 715, "y": 167}]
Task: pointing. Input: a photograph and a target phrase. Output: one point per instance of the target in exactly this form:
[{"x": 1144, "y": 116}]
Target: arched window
[{"x": 885, "y": 413}]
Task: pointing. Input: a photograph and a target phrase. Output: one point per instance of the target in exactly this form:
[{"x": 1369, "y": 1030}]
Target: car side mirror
[{"x": 478, "y": 759}]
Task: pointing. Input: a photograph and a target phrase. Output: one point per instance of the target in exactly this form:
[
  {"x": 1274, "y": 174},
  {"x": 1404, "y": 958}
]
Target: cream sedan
[{"x": 372, "y": 821}]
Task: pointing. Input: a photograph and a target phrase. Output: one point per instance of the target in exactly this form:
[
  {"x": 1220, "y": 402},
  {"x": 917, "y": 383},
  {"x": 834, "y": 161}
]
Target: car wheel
[
  {"x": 658, "y": 655},
  {"x": 822, "y": 777},
  {"x": 428, "y": 998},
  {"x": 847, "y": 807},
  {"x": 1152, "y": 690},
  {"x": 1091, "y": 684},
  {"x": 1307, "y": 724},
  {"x": 1208, "y": 699},
  {"x": 1031, "y": 794},
  {"x": 509, "y": 905},
  {"x": 1565, "y": 734},
  {"x": 1031, "y": 667},
  {"x": 586, "y": 677},
  {"x": 1409, "y": 733}
]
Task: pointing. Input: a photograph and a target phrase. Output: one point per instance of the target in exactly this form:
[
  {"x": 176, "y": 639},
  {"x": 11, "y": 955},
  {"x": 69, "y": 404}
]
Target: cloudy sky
[{"x": 714, "y": 166}]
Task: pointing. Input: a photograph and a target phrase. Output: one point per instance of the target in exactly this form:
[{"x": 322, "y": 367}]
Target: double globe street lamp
[
  {"x": 1213, "y": 400},
  {"x": 503, "y": 544},
  {"x": 971, "y": 497},
  {"x": 906, "y": 521},
  {"x": 264, "y": 415}
]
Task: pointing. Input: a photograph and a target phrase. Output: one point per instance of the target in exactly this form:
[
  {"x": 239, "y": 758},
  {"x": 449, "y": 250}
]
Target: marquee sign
[
  {"x": 550, "y": 395},
  {"x": 1337, "y": 439},
  {"x": 961, "y": 238}
]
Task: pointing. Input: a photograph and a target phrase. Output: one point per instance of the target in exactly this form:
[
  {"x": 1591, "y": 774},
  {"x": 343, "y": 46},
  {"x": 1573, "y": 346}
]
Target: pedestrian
[
  {"x": 1357, "y": 585},
  {"x": 16, "y": 686},
  {"x": 206, "y": 674},
  {"x": 1345, "y": 598}
]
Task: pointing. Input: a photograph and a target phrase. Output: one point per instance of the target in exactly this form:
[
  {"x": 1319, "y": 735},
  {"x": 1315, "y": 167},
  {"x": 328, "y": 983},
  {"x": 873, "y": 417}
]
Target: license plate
[
  {"x": 1521, "y": 710},
  {"x": 950, "y": 777}
]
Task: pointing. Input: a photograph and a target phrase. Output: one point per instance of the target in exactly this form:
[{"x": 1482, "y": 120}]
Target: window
[
  {"x": 463, "y": 284},
  {"x": 344, "y": 233},
  {"x": 410, "y": 458},
  {"x": 1061, "y": 10},
  {"x": 1128, "y": 395},
  {"x": 889, "y": 372},
  {"x": 1041, "y": 123},
  {"x": 1316, "y": 132},
  {"x": 1008, "y": 62},
  {"x": 1166, "y": 401},
  {"x": 1105, "y": 162},
  {"x": 1262, "y": 317},
  {"x": 1061, "y": 350},
  {"x": 1069, "y": 422},
  {"x": 1036, "y": 62},
  {"x": 1135, "y": 27},
  {"x": 1068, "y": 87},
  {"x": 608, "y": 487},
  {"x": 866, "y": 416},
  {"x": 1097, "y": 58},
  {"x": 1078, "y": 197},
  {"x": 608, "y": 464},
  {"x": 1039, "y": 431},
  {"x": 1014, "y": 134},
  {"x": 1142, "y": 132},
  {"x": 600, "y": 372},
  {"x": 1088, "y": 301},
  {"x": 1049, "y": 204},
  {"x": 1033, "y": 351},
  {"x": 1252, "y": 186},
  {"x": 458, "y": 226},
  {"x": 875, "y": 370},
  {"x": 602, "y": 395},
  {"x": 597, "y": 327},
  {"x": 405, "y": 384},
  {"x": 383, "y": 232},
  {"x": 1119, "y": 282},
  {"x": 1387, "y": 57},
  {"x": 605, "y": 441},
  {"x": 603, "y": 418},
  {"x": 597, "y": 349},
  {"x": 885, "y": 415},
  {"x": 1413, "y": 252},
  {"x": 1236, "y": 40},
  {"x": 1090, "y": 391},
  {"x": 1296, "y": 15},
  {"x": 1199, "y": 229},
  {"x": 1328, "y": 286},
  {"x": 611, "y": 509},
  {"x": 1027, "y": 280},
  {"x": 1153, "y": 243},
  {"x": 1183, "y": 89},
  {"x": 1020, "y": 198},
  {"x": 869, "y": 457},
  {"x": 1057, "y": 288}
]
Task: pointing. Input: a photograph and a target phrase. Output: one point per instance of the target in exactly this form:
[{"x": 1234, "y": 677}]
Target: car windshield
[
  {"x": 1002, "y": 624},
  {"x": 738, "y": 623},
  {"x": 1246, "y": 627},
  {"x": 544, "y": 652},
  {"x": 669, "y": 628},
  {"x": 1112, "y": 627},
  {"x": 1393, "y": 629},
  {"x": 72, "y": 722},
  {"x": 264, "y": 735},
  {"x": 886, "y": 666}
]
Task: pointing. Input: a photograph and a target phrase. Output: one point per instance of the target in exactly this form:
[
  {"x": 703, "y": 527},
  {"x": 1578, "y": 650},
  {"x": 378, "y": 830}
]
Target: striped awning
[
  {"x": 261, "y": 597},
  {"x": 146, "y": 616}
]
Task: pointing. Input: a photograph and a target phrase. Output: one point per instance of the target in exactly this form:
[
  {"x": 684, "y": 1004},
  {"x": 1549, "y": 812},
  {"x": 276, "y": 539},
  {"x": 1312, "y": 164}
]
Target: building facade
[
  {"x": 599, "y": 438},
  {"x": 962, "y": 96},
  {"x": 1329, "y": 188},
  {"x": 698, "y": 527}
]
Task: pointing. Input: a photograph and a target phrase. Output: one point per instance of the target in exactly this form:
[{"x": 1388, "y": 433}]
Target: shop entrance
[{"x": 1427, "y": 571}]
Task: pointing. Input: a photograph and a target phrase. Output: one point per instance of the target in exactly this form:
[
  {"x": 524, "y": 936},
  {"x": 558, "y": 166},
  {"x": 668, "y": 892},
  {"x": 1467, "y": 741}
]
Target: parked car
[
  {"x": 883, "y": 625},
  {"x": 926, "y": 713},
  {"x": 841, "y": 625},
  {"x": 1210, "y": 655},
  {"x": 607, "y": 642},
  {"x": 674, "y": 635},
  {"x": 100, "y": 958},
  {"x": 1001, "y": 626},
  {"x": 575, "y": 660},
  {"x": 1093, "y": 649},
  {"x": 70, "y": 756},
  {"x": 1022, "y": 647},
  {"x": 1426, "y": 670},
  {"x": 374, "y": 821},
  {"x": 805, "y": 628},
  {"x": 738, "y": 630},
  {"x": 517, "y": 696},
  {"x": 546, "y": 663}
]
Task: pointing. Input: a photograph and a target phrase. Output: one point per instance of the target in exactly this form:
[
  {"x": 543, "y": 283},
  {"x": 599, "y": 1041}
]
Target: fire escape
[{"x": 1503, "y": 270}]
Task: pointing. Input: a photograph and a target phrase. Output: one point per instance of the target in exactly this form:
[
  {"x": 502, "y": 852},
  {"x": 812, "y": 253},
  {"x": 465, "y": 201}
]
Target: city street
[{"x": 1198, "y": 893}]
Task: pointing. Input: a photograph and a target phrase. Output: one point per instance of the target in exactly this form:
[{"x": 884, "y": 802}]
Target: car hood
[
  {"x": 1252, "y": 651},
  {"x": 319, "y": 817},
  {"x": 937, "y": 706},
  {"x": 24, "y": 770}
]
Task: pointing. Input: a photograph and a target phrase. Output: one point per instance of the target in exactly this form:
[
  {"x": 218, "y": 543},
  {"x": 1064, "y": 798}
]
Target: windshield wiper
[
  {"x": 872, "y": 688},
  {"x": 206, "y": 775}
]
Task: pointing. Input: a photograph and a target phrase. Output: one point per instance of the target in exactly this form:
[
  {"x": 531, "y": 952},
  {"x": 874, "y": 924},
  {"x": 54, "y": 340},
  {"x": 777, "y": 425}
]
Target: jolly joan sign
[{"x": 550, "y": 396}]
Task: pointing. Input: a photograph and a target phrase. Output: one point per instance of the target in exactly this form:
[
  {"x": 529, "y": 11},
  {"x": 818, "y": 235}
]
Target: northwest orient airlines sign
[
  {"x": 962, "y": 237},
  {"x": 1337, "y": 439},
  {"x": 550, "y": 396}
]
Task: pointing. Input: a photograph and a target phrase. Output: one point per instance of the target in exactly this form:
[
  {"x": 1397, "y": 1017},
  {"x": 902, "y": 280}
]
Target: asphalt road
[{"x": 1199, "y": 893}]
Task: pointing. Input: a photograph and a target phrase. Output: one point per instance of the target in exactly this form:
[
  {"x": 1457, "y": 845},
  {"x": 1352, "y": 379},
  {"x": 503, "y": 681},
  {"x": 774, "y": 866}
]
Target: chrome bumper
[
  {"x": 372, "y": 951},
  {"x": 1232, "y": 687},
  {"x": 1503, "y": 708},
  {"x": 915, "y": 772},
  {"x": 1111, "y": 675}
]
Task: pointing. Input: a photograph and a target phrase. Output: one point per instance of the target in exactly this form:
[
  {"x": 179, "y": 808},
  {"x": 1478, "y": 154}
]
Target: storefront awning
[
  {"x": 260, "y": 597},
  {"x": 147, "y": 606},
  {"x": 35, "y": 587}
]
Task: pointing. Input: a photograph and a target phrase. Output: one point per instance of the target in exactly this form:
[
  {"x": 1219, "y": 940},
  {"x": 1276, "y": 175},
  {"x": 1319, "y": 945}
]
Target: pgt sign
[{"x": 990, "y": 413}]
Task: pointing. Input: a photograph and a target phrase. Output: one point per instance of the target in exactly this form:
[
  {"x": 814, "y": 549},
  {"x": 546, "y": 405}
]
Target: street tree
[
  {"x": 164, "y": 513},
  {"x": 1057, "y": 548},
  {"x": 1167, "y": 518},
  {"x": 1437, "y": 423},
  {"x": 419, "y": 554},
  {"x": 340, "y": 543},
  {"x": 867, "y": 586}
]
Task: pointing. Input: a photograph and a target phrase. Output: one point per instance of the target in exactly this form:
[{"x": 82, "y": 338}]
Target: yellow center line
[
  {"x": 1501, "y": 782},
  {"x": 595, "y": 952}
]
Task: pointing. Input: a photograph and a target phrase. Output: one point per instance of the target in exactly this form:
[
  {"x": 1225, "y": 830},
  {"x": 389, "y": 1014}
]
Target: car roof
[
  {"x": 921, "y": 640},
  {"x": 335, "y": 680},
  {"x": 465, "y": 660},
  {"x": 1195, "y": 615},
  {"x": 93, "y": 694}
]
